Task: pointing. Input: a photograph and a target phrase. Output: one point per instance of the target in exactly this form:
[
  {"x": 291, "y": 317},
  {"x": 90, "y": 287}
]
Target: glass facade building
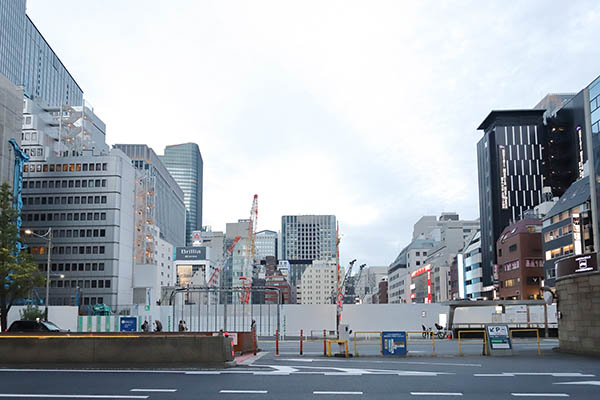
[
  {"x": 308, "y": 237},
  {"x": 592, "y": 93},
  {"x": 184, "y": 163},
  {"x": 26, "y": 59},
  {"x": 12, "y": 21}
]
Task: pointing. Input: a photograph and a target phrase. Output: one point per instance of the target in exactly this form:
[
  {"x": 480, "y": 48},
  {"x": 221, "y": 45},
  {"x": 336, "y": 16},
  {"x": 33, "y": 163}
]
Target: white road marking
[
  {"x": 539, "y": 394},
  {"x": 596, "y": 383},
  {"x": 379, "y": 361},
  {"x": 436, "y": 393},
  {"x": 154, "y": 390},
  {"x": 244, "y": 391},
  {"x": 554, "y": 374},
  {"x": 252, "y": 359},
  {"x": 321, "y": 392},
  {"x": 70, "y": 396}
]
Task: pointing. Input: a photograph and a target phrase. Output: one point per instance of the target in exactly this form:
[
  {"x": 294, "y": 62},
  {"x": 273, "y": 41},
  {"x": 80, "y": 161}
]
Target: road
[{"x": 293, "y": 377}]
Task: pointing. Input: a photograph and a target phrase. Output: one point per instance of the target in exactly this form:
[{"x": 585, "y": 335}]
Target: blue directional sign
[
  {"x": 393, "y": 343},
  {"x": 128, "y": 324}
]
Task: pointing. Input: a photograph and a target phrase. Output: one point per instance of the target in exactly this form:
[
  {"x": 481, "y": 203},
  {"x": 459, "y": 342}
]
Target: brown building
[
  {"x": 382, "y": 294},
  {"x": 520, "y": 260}
]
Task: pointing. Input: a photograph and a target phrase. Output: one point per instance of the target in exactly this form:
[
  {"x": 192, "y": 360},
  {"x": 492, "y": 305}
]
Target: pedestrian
[
  {"x": 253, "y": 326},
  {"x": 181, "y": 326},
  {"x": 158, "y": 326},
  {"x": 145, "y": 327}
]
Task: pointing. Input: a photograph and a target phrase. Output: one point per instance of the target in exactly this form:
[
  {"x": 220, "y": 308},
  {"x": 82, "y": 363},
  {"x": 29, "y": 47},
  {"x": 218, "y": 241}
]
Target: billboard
[{"x": 190, "y": 253}]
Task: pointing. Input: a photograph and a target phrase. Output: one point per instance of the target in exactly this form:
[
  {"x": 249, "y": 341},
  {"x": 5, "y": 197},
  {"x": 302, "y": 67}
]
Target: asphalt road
[{"x": 293, "y": 377}]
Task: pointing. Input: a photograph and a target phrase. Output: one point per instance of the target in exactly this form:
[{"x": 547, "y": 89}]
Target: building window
[{"x": 512, "y": 248}]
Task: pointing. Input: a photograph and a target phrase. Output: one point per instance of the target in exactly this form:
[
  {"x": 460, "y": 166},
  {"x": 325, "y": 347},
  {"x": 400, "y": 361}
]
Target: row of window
[
  {"x": 72, "y": 267},
  {"x": 561, "y": 251},
  {"x": 558, "y": 233},
  {"x": 63, "y": 183},
  {"x": 562, "y": 216},
  {"x": 86, "y": 284},
  {"x": 70, "y": 301},
  {"x": 72, "y": 167},
  {"x": 90, "y": 216},
  {"x": 35, "y": 201},
  {"x": 70, "y": 250}
]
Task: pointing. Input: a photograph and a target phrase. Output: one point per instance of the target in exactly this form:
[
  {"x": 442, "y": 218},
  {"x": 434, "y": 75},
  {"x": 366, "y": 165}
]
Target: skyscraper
[
  {"x": 184, "y": 163},
  {"x": 511, "y": 175},
  {"x": 308, "y": 237},
  {"x": 27, "y": 59}
]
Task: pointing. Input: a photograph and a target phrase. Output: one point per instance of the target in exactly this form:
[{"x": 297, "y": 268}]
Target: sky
[{"x": 367, "y": 110}]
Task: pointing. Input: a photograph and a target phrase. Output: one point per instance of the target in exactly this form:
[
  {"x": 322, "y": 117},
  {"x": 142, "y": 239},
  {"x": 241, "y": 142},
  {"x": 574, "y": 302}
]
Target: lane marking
[
  {"x": 71, "y": 396},
  {"x": 554, "y": 374},
  {"x": 596, "y": 383},
  {"x": 436, "y": 393},
  {"x": 539, "y": 394},
  {"x": 367, "y": 361},
  {"x": 349, "y": 393},
  {"x": 244, "y": 391},
  {"x": 154, "y": 390}
]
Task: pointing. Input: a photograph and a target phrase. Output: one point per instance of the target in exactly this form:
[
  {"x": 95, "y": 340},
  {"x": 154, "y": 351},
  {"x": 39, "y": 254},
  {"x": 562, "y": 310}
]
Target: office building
[
  {"x": 319, "y": 283},
  {"x": 592, "y": 124},
  {"x": 567, "y": 229},
  {"x": 27, "y": 60},
  {"x": 266, "y": 244},
  {"x": 368, "y": 280},
  {"x": 11, "y": 117},
  {"x": 437, "y": 240},
  {"x": 12, "y": 23},
  {"x": 88, "y": 202},
  {"x": 411, "y": 258},
  {"x": 308, "y": 237},
  {"x": 520, "y": 263},
  {"x": 511, "y": 175},
  {"x": 470, "y": 270},
  {"x": 161, "y": 200},
  {"x": 185, "y": 164}
]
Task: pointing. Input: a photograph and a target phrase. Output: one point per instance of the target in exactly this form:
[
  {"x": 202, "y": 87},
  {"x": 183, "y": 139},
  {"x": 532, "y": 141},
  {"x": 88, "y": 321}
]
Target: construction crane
[{"x": 250, "y": 251}]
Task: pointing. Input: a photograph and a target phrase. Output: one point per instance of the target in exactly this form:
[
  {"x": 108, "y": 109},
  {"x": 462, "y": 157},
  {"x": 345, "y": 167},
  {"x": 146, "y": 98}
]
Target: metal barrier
[
  {"x": 475, "y": 331},
  {"x": 345, "y": 342},
  {"x": 424, "y": 335},
  {"x": 537, "y": 335},
  {"x": 376, "y": 332}
]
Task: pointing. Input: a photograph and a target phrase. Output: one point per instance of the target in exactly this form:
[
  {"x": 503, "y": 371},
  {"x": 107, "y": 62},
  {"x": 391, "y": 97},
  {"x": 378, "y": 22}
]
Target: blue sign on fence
[
  {"x": 393, "y": 343},
  {"x": 128, "y": 324}
]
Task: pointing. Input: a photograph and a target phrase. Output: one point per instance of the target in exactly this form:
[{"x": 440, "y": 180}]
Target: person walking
[
  {"x": 158, "y": 326},
  {"x": 182, "y": 326},
  {"x": 145, "y": 327}
]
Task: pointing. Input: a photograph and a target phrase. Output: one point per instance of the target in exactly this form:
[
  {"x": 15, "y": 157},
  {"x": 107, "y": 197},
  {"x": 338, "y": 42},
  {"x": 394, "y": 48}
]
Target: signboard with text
[
  {"x": 576, "y": 265},
  {"x": 190, "y": 253},
  {"x": 393, "y": 343},
  {"x": 498, "y": 339}
]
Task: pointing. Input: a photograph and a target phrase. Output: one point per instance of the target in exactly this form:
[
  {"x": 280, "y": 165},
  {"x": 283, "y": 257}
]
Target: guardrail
[
  {"x": 345, "y": 342},
  {"x": 473, "y": 331},
  {"x": 424, "y": 335},
  {"x": 376, "y": 332},
  {"x": 537, "y": 335}
]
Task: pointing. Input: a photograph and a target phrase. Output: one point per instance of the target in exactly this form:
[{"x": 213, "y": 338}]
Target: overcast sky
[{"x": 363, "y": 109}]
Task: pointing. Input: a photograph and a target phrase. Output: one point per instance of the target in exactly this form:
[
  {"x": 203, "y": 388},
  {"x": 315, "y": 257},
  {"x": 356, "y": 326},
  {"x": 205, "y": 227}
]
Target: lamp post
[{"x": 48, "y": 237}]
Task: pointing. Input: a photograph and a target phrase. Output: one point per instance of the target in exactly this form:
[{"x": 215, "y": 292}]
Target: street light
[{"x": 48, "y": 237}]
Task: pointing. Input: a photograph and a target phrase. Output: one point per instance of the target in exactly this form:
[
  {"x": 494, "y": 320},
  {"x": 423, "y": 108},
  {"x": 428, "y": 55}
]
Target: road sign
[
  {"x": 128, "y": 324},
  {"x": 393, "y": 343},
  {"x": 498, "y": 339},
  {"x": 147, "y": 308}
]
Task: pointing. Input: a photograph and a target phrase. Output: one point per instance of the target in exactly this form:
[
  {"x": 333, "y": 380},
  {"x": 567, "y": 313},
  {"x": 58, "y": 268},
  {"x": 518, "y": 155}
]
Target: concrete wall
[
  {"x": 579, "y": 306},
  {"x": 140, "y": 349}
]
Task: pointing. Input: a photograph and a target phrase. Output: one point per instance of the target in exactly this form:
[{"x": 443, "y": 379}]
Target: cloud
[{"x": 366, "y": 110}]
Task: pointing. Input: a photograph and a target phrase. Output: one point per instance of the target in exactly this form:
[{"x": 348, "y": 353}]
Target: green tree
[
  {"x": 18, "y": 273},
  {"x": 31, "y": 313}
]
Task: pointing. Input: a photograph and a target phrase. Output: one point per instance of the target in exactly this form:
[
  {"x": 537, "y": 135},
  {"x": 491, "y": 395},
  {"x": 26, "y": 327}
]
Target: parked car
[{"x": 34, "y": 326}]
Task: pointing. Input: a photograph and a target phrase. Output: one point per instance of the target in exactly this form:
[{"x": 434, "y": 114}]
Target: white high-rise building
[
  {"x": 319, "y": 283},
  {"x": 266, "y": 244}
]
